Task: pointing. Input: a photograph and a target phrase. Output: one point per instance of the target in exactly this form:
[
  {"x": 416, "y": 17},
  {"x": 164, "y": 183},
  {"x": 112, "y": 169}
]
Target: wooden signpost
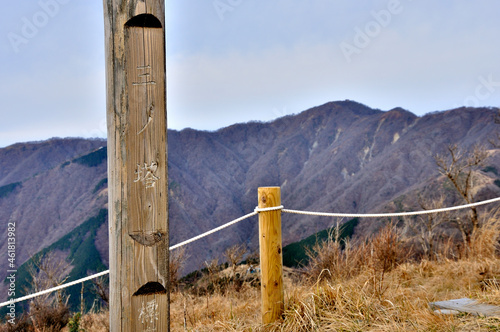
[{"x": 137, "y": 169}]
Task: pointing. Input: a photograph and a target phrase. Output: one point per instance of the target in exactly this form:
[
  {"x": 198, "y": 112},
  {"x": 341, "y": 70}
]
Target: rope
[
  {"x": 27, "y": 297},
  {"x": 257, "y": 211},
  {"x": 273, "y": 208},
  {"x": 397, "y": 214},
  {"x": 213, "y": 230}
]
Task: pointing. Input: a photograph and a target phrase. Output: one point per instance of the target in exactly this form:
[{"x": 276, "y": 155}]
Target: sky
[{"x": 233, "y": 61}]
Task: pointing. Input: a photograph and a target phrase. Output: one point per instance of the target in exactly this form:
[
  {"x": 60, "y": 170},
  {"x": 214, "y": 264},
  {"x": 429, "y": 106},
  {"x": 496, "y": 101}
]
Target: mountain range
[{"x": 341, "y": 156}]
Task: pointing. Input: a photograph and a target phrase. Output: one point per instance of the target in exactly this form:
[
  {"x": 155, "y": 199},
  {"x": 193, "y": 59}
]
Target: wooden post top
[{"x": 125, "y": 10}]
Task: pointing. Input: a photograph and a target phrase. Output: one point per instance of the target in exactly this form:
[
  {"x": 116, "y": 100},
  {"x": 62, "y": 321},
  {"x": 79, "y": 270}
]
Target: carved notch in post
[{"x": 137, "y": 164}]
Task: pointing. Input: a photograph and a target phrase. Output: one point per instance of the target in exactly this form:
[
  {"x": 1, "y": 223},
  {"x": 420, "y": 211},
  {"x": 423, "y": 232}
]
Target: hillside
[
  {"x": 340, "y": 156},
  {"x": 80, "y": 246}
]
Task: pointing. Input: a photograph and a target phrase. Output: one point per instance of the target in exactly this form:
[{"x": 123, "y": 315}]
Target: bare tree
[
  {"x": 459, "y": 166},
  {"x": 212, "y": 270},
  {"x": 386, "y": 252},
  {"x": 234, "y": 255},
  {"x": 101, "y": 289},
  {"x": 47, "y": 311},
  {"x": 47, "y": 271},
  {"x": 176, "y": 262},
  {"x": 496, "y": 140},
  {"x": 426, "y": 227}
]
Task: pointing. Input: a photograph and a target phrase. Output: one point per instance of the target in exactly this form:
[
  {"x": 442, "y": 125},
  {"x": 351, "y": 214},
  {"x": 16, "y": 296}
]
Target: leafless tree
[
  {"x": 386, "y": 252},
  {"x": 459, "y": 167},
  {"x": 212, "y": 268},
  {"x": 425, "y": 228},
  {"x": 177, "y": 260},
  {"x": 496, "y": 140},
  {"x": 101, "y": 289},
  {"x": 47, "y": 271},
  {"x": 234, "y": 255}
]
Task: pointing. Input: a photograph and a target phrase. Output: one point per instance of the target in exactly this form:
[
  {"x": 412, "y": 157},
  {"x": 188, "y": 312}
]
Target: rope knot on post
[{"x": 273, "y": 208}]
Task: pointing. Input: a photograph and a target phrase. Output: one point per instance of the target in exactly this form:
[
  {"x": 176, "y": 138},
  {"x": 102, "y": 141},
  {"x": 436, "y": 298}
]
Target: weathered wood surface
[
  {"x": 467, "y": 305},
  {"x": 137, "y": 169},
  {"x": 271, "y": 256}
]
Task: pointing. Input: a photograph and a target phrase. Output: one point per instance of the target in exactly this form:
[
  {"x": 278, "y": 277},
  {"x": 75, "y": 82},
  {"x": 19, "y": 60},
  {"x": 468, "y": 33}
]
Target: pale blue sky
[{"x": 232, "y": 61}]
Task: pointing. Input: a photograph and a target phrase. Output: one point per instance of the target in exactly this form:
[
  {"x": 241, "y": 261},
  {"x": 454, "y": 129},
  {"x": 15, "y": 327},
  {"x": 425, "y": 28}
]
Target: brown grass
[
  {"x": 353, "y": 304},
  {"x": 95, "y": 322},
  {"x": 485, "y": 241},
  {"x": 373, "y": 285}
]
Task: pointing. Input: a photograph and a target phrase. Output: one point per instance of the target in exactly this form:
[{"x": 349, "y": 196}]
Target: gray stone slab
[
  {"x": 467, "y": 305},
  {"x": 446, "y": 312}
]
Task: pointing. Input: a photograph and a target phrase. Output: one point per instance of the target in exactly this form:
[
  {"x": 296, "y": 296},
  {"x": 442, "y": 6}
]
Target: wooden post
[
  {"x": 271, "y": 257},
  {"x": 137, "y": 169}
]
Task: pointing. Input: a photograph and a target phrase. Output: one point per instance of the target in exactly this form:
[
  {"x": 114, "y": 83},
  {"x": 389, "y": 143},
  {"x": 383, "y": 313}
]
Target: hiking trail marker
[{"x": 137, "y": 165}]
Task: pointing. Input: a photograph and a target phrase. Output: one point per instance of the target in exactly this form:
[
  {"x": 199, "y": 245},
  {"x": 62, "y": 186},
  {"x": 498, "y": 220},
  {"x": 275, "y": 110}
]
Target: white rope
[
  {"x": 27, "y": 297},
  {"x": 397, "y": 214},
  {"x": 273, "y": 208},
  {"x": 213, "y": 230},
  {"x": 257, "y": 211}
]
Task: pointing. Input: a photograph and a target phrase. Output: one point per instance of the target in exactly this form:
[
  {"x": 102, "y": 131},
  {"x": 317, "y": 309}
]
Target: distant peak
[
  {"x": 401, "y": 111},
  {"x": 398, "y": 109},
  {"x": 351, "y": 106},
  {"x": 348, "y": 102}
]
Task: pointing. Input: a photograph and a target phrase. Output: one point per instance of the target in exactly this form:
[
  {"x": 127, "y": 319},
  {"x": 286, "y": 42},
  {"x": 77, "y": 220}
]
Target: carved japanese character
[
  {"x": 148, "y": 312},
  {"x": 146, "y": 174}
]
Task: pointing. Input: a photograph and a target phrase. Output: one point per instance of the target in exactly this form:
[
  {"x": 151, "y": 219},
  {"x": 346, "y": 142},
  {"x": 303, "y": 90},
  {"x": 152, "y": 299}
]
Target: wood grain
[
  {"x": 137, "y": 157},
  {"x": 271, "y": 256}
]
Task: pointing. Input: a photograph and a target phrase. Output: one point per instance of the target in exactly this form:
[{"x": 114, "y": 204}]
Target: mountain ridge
[{"x": 339, "y": 156}]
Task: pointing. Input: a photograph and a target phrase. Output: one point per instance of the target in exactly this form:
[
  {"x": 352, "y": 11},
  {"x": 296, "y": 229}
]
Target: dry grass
[
  {"x": 95, "y": 322},
  {"x": 371, "y": 286},
  {"x": 353, "y": 304},
  {"x": 233, "y": 312},
  {"x": 485, "y": 241}
]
